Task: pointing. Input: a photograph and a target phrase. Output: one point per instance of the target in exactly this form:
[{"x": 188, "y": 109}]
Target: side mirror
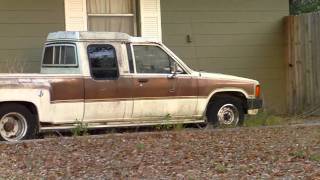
[{"x": 174, "y": 68}]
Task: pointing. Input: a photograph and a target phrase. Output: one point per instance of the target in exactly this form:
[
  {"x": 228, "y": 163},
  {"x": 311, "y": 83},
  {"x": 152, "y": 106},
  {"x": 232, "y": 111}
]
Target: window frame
[
  {"x": 76, "y": 65},
  {"x": 159, "y": 46},
  {"x": 90, "y": 68},
  {"x": 134, "y": 15}
]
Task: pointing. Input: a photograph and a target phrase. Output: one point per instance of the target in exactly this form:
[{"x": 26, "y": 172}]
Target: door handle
[{"x": 143, "y": 80}]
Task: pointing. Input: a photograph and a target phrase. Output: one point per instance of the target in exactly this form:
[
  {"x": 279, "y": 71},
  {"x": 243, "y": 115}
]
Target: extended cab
[{"x": 115, "y": 80}]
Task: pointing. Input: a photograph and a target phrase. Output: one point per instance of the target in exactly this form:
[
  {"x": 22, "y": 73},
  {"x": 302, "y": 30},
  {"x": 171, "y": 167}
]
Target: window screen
[
  {"x": 152, "y": 59},
  {"x": 60, "y": 55},
  {"x": 103, "y": 61}
]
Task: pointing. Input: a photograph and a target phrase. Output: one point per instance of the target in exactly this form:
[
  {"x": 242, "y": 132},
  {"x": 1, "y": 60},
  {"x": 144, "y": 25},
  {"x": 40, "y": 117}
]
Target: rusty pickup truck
[{"x": 107, "y": 79}]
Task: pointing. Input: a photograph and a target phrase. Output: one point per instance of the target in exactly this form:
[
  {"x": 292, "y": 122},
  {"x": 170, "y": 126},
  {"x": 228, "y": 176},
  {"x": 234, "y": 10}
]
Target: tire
[
  {"x": 226, "y": 111},
  {"x": 17, "y": 123}
]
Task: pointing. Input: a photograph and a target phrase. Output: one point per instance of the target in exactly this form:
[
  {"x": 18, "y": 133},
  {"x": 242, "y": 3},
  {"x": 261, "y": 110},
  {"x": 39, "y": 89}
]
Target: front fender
[{"x": 204, "y": 102}]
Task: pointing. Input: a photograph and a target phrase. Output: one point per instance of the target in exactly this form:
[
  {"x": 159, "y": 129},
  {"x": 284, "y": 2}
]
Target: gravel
[{"x": 290, "y": 152}]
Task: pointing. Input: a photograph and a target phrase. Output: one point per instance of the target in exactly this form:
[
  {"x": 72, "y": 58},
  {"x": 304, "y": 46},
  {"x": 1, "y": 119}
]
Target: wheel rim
[
  {"x": 13, "y": 126},
  {"x": 228, "y": 115}
]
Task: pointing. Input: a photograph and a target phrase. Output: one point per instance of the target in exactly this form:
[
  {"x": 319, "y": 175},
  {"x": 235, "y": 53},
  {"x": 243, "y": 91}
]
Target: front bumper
[
  {"x": 254, "y": 103},
  {"x": 253, "y": 106}
]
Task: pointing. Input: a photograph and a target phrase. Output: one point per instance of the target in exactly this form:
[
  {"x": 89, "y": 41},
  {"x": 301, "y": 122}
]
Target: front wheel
[
  {"x": 17, "y": 123},
  {"x": 226, "y": 112}
]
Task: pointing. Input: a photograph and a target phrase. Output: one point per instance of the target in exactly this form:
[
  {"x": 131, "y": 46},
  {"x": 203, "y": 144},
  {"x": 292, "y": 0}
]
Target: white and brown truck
[{"x": 114, "y": 80}]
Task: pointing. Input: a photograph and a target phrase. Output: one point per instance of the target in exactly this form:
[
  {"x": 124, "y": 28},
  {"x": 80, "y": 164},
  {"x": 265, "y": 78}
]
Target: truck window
[
  {"x": 48, "y": 55},
  {"x": 59, "y": 55},
  {"x": 103, "y": 61},
  {"x": 152, "y": 60}
]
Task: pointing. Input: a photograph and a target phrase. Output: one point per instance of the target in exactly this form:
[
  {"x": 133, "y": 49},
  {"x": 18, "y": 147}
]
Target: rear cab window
[{"x": 60, "y": 55}]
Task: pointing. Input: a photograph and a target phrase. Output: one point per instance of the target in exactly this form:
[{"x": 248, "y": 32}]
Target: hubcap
[
  {"x": 13, "y": 126},
  {"x": 228, "y": 115}
]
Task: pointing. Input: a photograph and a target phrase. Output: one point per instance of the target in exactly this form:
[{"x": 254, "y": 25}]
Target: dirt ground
[{"x": 274, "y": 152}]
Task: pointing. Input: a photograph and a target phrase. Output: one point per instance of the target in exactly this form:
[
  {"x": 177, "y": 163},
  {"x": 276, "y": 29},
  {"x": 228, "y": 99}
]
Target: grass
[
  {"x": 265, "y": 119},
  {"x": 315, "y": 158},
  {"x": 301, "y": 154},
  {"x": 140, "y": 146}
]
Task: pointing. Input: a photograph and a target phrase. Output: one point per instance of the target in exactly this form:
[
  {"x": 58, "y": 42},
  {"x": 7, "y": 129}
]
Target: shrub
[{"x": 304, "y": 6}]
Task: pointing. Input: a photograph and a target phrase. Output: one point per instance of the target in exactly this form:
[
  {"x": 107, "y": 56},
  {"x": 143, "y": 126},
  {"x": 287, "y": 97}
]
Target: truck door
[
  {"x": 108, "y": 95},
  {"x": 156, "y": 93}
]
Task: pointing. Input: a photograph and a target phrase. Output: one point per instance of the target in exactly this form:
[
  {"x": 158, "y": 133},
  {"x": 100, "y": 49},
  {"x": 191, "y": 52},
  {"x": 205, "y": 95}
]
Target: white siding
[
  {"x": 76, "y": 15},
  {"x": 151, "y": 19}
]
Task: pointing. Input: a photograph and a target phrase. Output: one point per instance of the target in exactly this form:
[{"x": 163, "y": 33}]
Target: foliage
[
  {"x": 315, "y": 157},
  {"x": 220, "y": 168},
  {"x": 298, "y": 154},
  {"x": 80, "y": 129},
  {"x": 304, "y": 6},
  {"x": 167, "y": 126}
]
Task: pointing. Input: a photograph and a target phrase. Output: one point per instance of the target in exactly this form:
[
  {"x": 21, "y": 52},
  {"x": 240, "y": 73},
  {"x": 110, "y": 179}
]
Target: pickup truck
[{"x": 107, "y": 79}]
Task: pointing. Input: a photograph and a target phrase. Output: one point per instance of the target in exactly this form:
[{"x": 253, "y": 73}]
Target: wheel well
[
  {"x": 234, "y": 94},
  {"x": 30, "y": 106}
]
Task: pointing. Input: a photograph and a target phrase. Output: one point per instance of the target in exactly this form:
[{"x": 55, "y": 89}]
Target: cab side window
[
  {"x": 152, "y": 60},
  {"x": 103, "y": 61}
]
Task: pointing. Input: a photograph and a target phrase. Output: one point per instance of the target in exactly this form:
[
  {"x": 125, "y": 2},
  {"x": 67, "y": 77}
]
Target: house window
[{"x": 112, "y": 16}]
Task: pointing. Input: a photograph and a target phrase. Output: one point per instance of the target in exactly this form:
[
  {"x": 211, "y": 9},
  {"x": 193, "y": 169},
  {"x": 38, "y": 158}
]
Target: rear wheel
[
  {"x": 226, "y": 111},
  {"x": 17, "y": 123}
]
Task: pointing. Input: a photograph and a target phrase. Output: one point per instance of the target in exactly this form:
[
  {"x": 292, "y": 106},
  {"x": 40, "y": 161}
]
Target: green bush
[{"x": 304, "y": 6}]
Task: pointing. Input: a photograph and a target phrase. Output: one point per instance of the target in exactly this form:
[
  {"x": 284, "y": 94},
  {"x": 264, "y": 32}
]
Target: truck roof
[{"x": 94, "y": 36}]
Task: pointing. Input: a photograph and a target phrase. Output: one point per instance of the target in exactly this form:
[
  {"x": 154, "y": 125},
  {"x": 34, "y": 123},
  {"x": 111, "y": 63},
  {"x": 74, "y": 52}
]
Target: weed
[
  {"x": 178, "y": 127},
  {"x": 140, "y": 146},
  {"x": 15, "y": 66},
  {"x": 220, "y": 168},
  {"x": 80, "y": 129},
  {"x": 166, "y": 123},
  {"x": 298, "y": 154}
]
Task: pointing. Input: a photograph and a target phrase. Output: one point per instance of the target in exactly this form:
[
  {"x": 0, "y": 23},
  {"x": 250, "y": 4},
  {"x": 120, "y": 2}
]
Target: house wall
[
  {"x": 24, "y": 25},
  {"x": 238, "y": 37}
]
